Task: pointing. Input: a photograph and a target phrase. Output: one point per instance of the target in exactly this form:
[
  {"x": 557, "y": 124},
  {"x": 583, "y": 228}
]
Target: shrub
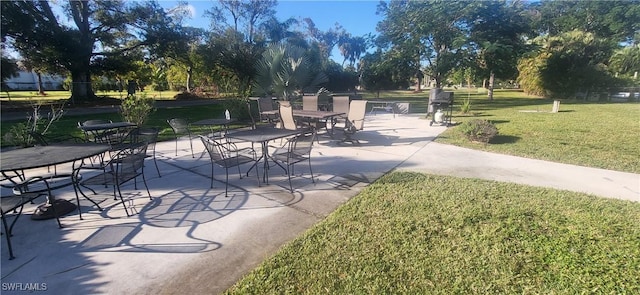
[
  {"x": 479, "y": 130},
  {"x": 20, "y": 134},
  {"x": 136, "y": 109},
  {"x": 465, "y": 107},
  {"x": 237, "y": 107}
]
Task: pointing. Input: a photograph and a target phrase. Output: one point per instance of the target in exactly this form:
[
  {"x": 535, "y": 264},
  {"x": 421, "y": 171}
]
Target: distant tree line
[{"x": 551, "y": 48}]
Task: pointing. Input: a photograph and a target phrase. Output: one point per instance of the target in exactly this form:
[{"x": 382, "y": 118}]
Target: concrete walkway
[{"x": 190, "y": 239}]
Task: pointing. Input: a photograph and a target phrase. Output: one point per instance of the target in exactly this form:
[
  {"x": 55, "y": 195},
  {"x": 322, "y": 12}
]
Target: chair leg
[
  {"x": 76, "y": 189},
  {"x": 144, "y": 180},
  {"x": 289, "y": 176},
  {"x": 55, "y": 213},
  {"x": 117, "y": 187},
  {"x": 78, "y": 202},
  {"x": 239, "y": 172},
  {"x": 311, "y": 171},
  {"x": 211, "y": 185},
  {"x": 226, "y": 184},
  {"x": 176, "y": 145},
  {"x": 191, "y": 145},
  {"x": 156, "y": 163},
  {"x": 7, "y": 233}
]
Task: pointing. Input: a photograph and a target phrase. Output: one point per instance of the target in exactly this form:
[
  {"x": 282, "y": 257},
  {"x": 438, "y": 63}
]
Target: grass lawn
[
  {"x": 601, "y": 135},
  {"x": 68, "y": 125},
  {"x": 594, "y": 134},
  {"x": 63, "y": 94},
  {"x": 411, "y": 233}
]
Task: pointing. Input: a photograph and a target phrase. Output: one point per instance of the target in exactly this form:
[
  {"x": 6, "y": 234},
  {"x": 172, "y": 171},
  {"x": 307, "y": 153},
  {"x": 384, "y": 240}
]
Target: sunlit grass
[
  {"x": 411, "y": 233},
  {"x": 601, "y": 135},
  {"x": 68, "y": 125},
  {"x": 18, "y": 96},
  {"x": 595, "y": 134}
]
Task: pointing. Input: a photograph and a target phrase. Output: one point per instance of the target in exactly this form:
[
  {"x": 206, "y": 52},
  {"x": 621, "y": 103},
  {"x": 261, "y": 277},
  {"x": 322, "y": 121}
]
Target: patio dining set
[{"x": 112, "y": 154}]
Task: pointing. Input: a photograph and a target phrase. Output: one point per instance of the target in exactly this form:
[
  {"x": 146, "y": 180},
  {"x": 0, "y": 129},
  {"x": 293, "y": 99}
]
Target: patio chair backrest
[
  {"x": 302, "y": 144},
  {"x": 357, "y": 111},
  {"x": 286, "y": 117},
  {"x": 179, "y": 126},
  {"x": 93, "y": 136},
  {"x": 215, "y": 150},
  {"x": 341, "y": 104},
  {"x": 310, "y": 103},
  {"x": 265, "y": 104},
  {"x": 130, "y": 162},
  {"x": 148, "y": 135}
]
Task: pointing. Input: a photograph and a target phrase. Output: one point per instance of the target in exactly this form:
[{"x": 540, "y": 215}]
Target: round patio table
[{"x": 17, "y": 160}]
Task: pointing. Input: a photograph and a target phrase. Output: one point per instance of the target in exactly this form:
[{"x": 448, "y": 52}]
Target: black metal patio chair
[{"x": 221, "y": 155}]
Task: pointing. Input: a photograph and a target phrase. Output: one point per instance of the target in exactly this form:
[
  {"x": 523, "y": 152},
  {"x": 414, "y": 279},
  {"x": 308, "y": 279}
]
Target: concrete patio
[{"x": 191, "y": 239}]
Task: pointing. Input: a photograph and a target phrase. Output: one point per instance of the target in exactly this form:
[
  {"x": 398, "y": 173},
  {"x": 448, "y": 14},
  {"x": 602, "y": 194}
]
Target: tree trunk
[
  {"x": 81, "y": 89},
  {"x": 491, "y": 80},
  {"x": 438, "y": 82},
  {"x": 189, "y": 70},
  {"x": 40, "y": 90}
]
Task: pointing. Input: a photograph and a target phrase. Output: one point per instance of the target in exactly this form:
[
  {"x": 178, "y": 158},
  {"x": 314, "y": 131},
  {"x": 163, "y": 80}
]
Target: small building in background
[{"x": 29, "y": 81}]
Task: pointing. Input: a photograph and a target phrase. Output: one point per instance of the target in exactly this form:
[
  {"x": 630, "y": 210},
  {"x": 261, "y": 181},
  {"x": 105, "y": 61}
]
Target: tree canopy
[
  {"x": 480, "y": 40},
  {"x": 98, "y": 30},
  {"x": 492, "y": 37}
]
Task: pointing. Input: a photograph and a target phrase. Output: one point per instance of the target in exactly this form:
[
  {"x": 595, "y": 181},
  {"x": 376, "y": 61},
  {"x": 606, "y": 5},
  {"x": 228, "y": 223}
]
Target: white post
[{"x": 556, "y": 106}]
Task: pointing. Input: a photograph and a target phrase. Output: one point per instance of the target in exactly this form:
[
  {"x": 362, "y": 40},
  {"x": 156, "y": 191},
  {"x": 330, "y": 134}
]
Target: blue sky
[{"x": 358, "y": 17}]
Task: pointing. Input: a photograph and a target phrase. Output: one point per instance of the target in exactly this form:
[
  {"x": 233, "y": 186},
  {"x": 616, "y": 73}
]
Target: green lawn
[
  {"x": 63, "y": 94},
  {"x": 411, "y": 233},
  {"x": 67, "y": 125},
  {"x": 601, "y": 135}
]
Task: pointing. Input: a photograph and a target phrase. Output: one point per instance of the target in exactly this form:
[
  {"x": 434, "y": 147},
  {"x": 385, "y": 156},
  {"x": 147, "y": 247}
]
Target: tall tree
[
  {"x": 276, "y": 31},
  {"x": 9, "y": 69},
  {"x": 433, "y": 33},
  {"x": 626, "y": 61},
  {"x": 566, "y": 64},
  {"x": 618, "y": 20},
  {"x": 352, "y": 48},
  {"x": 243, "y": 16},
  {"x": 97, "y": 29},
  {"x": 228, "y": 51},
  {"x": 325, "y": 40},
  {"x": 376, "y": 72},
  {"x": 498, "y": 30},
  {"x": 181, "y": 46},
  {"x": 234, "y": 44}
]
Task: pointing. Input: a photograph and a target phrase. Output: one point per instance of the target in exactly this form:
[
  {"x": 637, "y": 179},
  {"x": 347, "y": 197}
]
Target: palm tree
[
  {"x": 627, "y": 60},
  {"x": 276, "y": 31},
  {"x": 352, "y": 48},
  {"x": 286, "y": 71}
]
